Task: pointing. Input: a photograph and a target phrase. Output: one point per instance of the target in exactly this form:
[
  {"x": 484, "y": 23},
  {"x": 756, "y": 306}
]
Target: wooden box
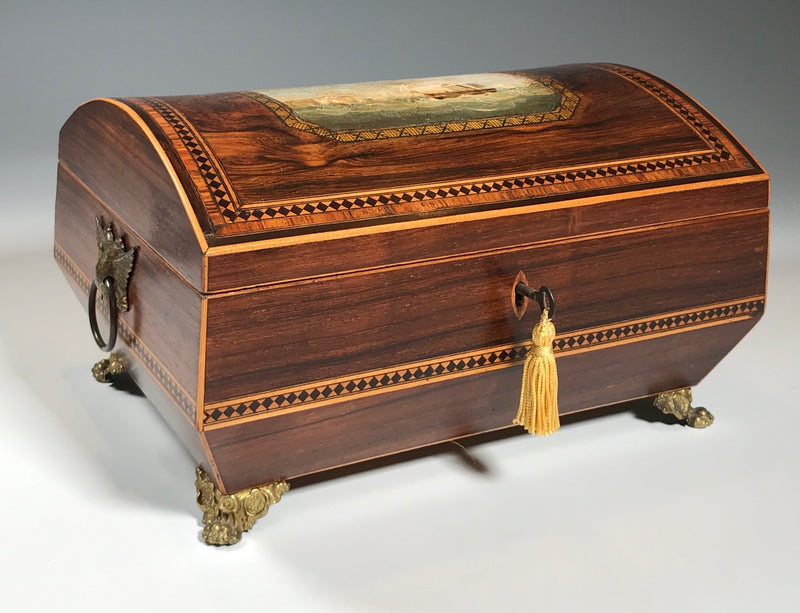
[{"x": 327, "y": 275}]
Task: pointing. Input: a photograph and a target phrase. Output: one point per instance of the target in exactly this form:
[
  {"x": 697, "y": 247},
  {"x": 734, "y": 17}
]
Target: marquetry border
[
  {"x": 475, "y": 361},
  {"x": 212, "y": 183},
  {"x": 230, "y": 217},
  {"x": 499, "y": 185},
  {"x": 703, "y": 128},
  {"x": 148, "y": 360},
  {"x": 566, "y": 107}
]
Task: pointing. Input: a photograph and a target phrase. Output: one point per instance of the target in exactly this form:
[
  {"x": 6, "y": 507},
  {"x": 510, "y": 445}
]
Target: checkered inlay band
[
  {"x": 220, "y": 195},
  {"x": 499, "y": 357}
]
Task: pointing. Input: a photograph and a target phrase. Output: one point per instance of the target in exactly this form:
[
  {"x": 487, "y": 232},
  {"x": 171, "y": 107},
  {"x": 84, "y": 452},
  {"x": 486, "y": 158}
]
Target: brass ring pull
[
  {"x": 108, "y": 284},
  {"x": 543, "y": 296}
]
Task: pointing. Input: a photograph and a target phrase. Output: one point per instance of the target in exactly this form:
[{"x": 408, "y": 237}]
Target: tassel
[{"x": 538, "y": 400}]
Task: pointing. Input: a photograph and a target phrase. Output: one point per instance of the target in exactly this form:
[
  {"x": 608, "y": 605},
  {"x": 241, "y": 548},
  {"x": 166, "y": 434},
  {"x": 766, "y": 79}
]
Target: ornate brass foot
[
  {"x": 679, "y": 404},
  {"x": 112, "y": 365},
  {"x": 227, "y": 516}
]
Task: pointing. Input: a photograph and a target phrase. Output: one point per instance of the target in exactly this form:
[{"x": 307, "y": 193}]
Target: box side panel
[
  {"x": 162, "y": 326},
  {"x": 296, "y": 442},
  {"x": 116, "y": 157},
  {"x": 282, "y": 337},
  {"x": 163, "y": 400},
  {"x": 149, "y": 380}
]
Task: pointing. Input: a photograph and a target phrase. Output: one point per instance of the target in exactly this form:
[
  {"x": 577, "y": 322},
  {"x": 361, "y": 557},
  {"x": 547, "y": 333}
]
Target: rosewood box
[{"x": 301, "y": 279}]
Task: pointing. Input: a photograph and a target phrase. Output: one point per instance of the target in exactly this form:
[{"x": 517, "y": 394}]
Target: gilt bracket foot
[
  {"x": 105, "y": 368},
  {"x": 679, "y": 404},
  {"x": 227, "y": 516}
]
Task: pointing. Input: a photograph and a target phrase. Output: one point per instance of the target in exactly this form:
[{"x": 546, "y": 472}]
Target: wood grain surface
[
  {"x": 366, "y": 249},
  {"x": 256, "y": 176},
  {"x": 296, "y": 443},
  {"x": 164, "y": 318},
  {"x": 106, "y": 148},
  {"x": 283, "y": 335},
  {"x": 300, "y": 303}
]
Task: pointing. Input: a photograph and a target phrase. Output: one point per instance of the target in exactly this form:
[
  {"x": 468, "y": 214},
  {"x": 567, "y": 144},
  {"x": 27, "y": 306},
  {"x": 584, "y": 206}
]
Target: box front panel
[
  {"x": 639, "y": 311},
  {"x": 436, "y": 237},
  {"x": 300, "y": 441},
  {"x": 285, "y": 336}
]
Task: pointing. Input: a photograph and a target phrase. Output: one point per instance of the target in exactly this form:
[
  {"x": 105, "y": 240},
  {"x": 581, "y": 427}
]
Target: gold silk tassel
[{"x": 538, "y": 400}]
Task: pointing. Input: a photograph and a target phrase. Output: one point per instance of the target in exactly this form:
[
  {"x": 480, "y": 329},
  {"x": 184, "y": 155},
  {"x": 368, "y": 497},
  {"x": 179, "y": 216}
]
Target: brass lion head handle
[{"x": 112, "y": 271}]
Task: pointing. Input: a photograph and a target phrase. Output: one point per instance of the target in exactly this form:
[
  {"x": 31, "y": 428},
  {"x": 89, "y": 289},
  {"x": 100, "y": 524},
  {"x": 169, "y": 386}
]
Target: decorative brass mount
[
  {"x": 227, "y": 516},
  {"x": 112, "y": 365},
  {"x": 113, "y": 268},
  {"x": 679, "y": 404},
  {"x": 113, "y": 260}
]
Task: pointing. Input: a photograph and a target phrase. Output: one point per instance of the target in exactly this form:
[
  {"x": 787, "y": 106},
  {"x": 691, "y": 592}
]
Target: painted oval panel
[{"x": 385, "y": 109}]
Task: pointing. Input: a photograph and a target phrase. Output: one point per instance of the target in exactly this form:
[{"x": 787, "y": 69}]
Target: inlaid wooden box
[{"x": 327, "y": 275}]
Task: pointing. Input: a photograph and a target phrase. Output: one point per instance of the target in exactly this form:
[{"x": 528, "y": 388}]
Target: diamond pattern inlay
[
  {"x": 225, "y": 202},
  {"x": 498, "y": 357},
  {"x": 224, "y": 199}
]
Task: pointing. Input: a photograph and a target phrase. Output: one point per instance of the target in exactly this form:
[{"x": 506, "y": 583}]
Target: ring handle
[{"x": 108, "y": 284}]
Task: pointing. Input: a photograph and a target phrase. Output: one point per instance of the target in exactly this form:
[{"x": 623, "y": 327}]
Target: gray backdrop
[
  {"x": 738, "y": 58},
  {"x": 613, "y": 513}
]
